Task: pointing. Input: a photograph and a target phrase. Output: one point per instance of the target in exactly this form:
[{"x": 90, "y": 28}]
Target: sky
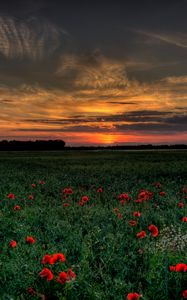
[{"x": 94, "y": 72}]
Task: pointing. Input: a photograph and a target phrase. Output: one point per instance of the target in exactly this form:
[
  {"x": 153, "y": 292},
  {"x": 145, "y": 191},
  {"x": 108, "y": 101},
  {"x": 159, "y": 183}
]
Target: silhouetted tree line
[
  {"x": 38, "y": 145},
  {"x": 47, "y": 145}
]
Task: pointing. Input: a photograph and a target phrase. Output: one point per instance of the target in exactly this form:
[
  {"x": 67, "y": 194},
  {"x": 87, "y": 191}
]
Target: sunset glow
[{"x": 123, "y": 82}]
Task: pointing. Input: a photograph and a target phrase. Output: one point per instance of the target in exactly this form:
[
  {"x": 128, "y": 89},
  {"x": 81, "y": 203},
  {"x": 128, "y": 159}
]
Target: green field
[{"x": 99, "y": 244}]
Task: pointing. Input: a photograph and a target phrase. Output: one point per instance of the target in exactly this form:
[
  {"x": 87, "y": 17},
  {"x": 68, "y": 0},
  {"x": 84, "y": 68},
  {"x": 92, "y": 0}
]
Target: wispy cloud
[
  {"x": 178, "y": 39},
  {"x": 32, "y": 38}
]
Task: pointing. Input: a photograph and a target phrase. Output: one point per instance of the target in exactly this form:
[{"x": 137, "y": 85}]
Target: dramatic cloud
[{"x": 33, "y": 38}]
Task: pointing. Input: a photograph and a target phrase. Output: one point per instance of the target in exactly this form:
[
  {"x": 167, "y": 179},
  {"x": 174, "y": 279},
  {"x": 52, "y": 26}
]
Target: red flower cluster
[
  {"x": 178, "y": 268},
  {"x": 184, "y": 219},
  {"x": 144, "y": 195},
  {"x": 124, "y": 196},
  {"x": 68, "y": 191},
  {"x": 64, "y": 277},
  {"x": 133, "y": 296},
  {"x": 83, "y": 200},
  {"x": 52, "y": 259}
]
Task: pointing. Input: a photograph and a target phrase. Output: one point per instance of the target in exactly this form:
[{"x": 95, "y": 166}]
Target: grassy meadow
[{"x": 95, "y": 208}]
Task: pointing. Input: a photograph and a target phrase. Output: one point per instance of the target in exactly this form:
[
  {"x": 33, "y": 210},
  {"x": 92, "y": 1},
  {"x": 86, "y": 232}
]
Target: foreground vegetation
[{"x": 113, "y": 224}]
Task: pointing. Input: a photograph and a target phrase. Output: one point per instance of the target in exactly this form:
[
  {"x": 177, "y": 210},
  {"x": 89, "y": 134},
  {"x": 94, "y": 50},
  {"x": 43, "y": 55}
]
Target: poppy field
[{"x": 93, "y": 225}]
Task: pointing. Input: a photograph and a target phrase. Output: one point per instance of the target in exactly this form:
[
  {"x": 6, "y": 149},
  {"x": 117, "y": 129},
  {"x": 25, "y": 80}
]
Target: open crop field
[{"x": 93, "y": 225}]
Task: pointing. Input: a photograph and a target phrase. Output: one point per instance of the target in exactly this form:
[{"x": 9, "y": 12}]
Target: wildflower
[
  {"x": 30, "y": 197},
  {"x": 68, "y": 191},
  {"x": 11, "y": 196},
  {"x": 172, "y": 268},
  {"x": 120, "y": 216},
  {"x": 157, "y": 185},
  {"x": 180, "y": 204},
  {"x": 144, "y": 195},
  {"x": 70, "y": 274},
  {"x": 66, "y": 204},
  {"x": 162, "y": 193},
  {"x": 12, "y": 244},
  {"x": 62, "y": 277},
  {"x": 136, "y": 214},
  {"x": 84, "y": 199},
  {"x": 46, "y": 259},
  {"x": 80, "y": 203},
  {"x": 122, "y": 202},
  {"x": 124, "y": 196},
  {"x": 31, "y": 291},
  {"x": 181, "y": 267},
  {"x": 184, "y": 294},
  {"x": 41, "y": 182},
  {"x": 46, "y": 273},
  {"x": 57, "y": 257},
  {"x": 99, "y": 190},
  {"x": 17, "y": 207},
  {"x": 30, "y": 240},
  {"x": 133, "y": 296},
  {"x": 184, "y": 219},
  {"x": 153, "y": 229},
  {"x": 132, "y": 222},
  {"x": 33, "y": 185},
  {"x": 141, "y": 234}
]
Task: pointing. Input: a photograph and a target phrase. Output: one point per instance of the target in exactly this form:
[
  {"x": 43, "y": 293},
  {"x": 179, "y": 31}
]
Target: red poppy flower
[
  {"x": 184, "y": 219},
  {"x": 46, "y": 273},
  {"x": 70, "y": 274},
  {"x": 33, "y": 185},
  {"x": 80, "y": 203},
  {"x": 31, "y": 291},
  {"x": 136, "y": 214},
  {"x": 66, "y": 204},
  {"x": 153, "y": 229},
  {"x": 41, "y": 182},
  {"x": 132, "y": 222},
  {"x": 120, "y": 216},
  {"x": 84, "y": 199},
  {"x": 124, "y": 196},
  {"x": 181, "y": 268},
  {"x": 12, "y": 244},
  {"x": 30, "y": 197},
  {"x": 162, "y": 193},
  {"x": 62, "y": 277},
  {"x": 46, "y": 259},
  {"x": 17, "y": 207},
  {"x": 99, "y": 190},
  {"x": 180, "y": 204},
  {"x": 172, "y": 268},
  {"x": 144, "y": 195},
  {"x": 68, "y": 191},
  {"x": 57, "y": 257},
  {"x": 133, "y": 296},
  {"x": 30, "y": 240},
  {"x": 122, "y": 202},
  {"x": 184, "y": 294},
  {"x": 11, "y": 196},
  {"x": 141, "y": 234}
]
